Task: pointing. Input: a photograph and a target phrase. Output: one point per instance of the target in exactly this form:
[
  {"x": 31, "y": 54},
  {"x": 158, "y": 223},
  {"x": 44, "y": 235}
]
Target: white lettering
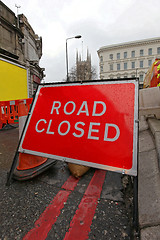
[
  {"x": 48, "y": 129},
  {"x": 41, "y": 120},
  {"x": 106, "y": 132},
  {"x": 79, "y": 129},
  {"x": 59, "y": 127},
  {"x": 64, "y": 127},
  {"x": 55, "y": 107},
  {"x": 94, "y": 108},
  {"x": 74, "y": 107},
  {"x": 84, "y": 104},
  {"x": 93, "y": 130}
]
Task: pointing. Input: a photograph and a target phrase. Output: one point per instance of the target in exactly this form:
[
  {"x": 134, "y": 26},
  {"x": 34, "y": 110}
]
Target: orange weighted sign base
[
  {"x": 28, "y": 161},
  {"x": 26, "y": 174}
]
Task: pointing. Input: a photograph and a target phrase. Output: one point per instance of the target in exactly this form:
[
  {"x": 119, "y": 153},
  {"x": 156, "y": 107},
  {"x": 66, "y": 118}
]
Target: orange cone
[{"x": 29, "y": 165}]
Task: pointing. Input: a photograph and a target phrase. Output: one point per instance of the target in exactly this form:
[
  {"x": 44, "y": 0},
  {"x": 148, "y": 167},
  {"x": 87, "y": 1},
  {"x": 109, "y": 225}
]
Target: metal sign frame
[{"x": 133, "y": 170}]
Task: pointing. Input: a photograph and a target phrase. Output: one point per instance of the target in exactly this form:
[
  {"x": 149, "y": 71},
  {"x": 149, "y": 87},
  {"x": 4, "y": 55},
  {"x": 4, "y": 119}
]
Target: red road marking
[
  {"x": 81, "y": 222},
  {"x": 44, "y": 224},
  {"x": 70, "y": 184}
]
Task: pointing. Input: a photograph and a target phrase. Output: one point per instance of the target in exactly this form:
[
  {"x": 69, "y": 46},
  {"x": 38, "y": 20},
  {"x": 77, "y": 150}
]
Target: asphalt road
[{"x": 44, "y": 203}]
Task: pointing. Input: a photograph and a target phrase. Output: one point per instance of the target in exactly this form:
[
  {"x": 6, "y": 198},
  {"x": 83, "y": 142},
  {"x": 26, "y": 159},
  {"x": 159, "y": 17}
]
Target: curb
[
  {"x": 154, "y": 126},
  {"x": 149, "y": 179}
]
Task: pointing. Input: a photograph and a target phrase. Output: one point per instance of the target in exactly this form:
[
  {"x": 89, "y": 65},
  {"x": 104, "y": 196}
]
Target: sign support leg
[
  {"x": 14, "y": 163},
  {"x": 135, "y": 205}
]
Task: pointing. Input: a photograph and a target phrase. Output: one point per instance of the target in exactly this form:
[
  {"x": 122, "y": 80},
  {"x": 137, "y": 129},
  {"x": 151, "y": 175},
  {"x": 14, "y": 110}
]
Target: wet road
[{"x": 72, "y": 212}]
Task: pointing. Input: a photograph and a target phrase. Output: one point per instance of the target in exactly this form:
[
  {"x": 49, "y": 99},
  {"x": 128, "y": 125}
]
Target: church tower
[{"x": 83, "y": 68}]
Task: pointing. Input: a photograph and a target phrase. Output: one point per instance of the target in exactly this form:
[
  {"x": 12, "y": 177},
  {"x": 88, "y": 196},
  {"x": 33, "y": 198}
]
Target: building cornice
[
  {"x": 8, "y": 9},
  {"x": 12, "y": 26},
  {"x": 129, "y": 44}
]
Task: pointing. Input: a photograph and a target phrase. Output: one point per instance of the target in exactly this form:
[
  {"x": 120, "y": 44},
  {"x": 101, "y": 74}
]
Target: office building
[{"x": 129, "y": 59}]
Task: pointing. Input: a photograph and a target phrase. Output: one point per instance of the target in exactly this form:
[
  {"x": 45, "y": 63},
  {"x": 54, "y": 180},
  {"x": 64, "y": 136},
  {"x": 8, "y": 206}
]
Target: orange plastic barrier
[{"x": 9, "y": 113}]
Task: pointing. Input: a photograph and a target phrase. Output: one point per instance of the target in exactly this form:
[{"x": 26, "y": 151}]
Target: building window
[
  {"x": 125, "y": 54},
  {"x": 141, "y": 64},
  {"x": 133, "y": 76},
  {"x": 111, "y": 56},
  {"x": 111, "y": 67},
  {"x": 118, "y": 66},
  {"x": 141, "y": 77},
  {"x": 141, "y": 52},
  {"x": 101, "y": 58},
  {"x": 158, "y": 50},
  {"x": 133, "y": 64},
  {"x": 125, "y": 76},
  {"x": 133, "y": 54},
  {"x": 101, "y": 68},
  {"x": 118, "y": 55},
  {"x": 125, "y": 66},
  {"x": 149, "y": 63},
  {"x": 150, "y": 51}
]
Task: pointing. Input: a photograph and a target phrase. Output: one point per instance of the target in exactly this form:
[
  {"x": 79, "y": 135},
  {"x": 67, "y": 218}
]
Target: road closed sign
[{"x": 93, "y": 124}]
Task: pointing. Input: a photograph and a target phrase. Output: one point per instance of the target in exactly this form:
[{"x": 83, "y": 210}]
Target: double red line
[{"x": 81, "y": 222}]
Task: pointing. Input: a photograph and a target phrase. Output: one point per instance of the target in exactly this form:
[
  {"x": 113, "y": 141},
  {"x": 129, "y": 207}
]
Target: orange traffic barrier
[
  {"x": 9, "y": 111},
  {"x": 27, "y": 161}
]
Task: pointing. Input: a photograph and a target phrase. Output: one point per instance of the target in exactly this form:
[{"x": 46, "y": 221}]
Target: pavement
[{"x": 149, "y": 178}]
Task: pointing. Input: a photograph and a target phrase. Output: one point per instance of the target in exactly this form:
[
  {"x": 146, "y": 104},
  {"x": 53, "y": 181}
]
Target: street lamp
[{"x": 78, "y": 36}]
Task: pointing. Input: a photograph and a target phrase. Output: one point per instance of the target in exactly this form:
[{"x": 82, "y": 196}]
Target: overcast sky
[{"x": 100, "y": 22}]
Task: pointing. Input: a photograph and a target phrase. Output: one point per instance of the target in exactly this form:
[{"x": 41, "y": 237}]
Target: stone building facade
[
  {"x": 20, "y": 44},
  {"x": 130, "y": 59}
]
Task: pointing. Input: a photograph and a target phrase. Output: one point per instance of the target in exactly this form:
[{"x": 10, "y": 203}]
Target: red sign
[{"x": 93, "y": 124}]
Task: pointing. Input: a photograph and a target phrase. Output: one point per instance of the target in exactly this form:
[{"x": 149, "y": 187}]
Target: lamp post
[{"x": 78, "y": 36}]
